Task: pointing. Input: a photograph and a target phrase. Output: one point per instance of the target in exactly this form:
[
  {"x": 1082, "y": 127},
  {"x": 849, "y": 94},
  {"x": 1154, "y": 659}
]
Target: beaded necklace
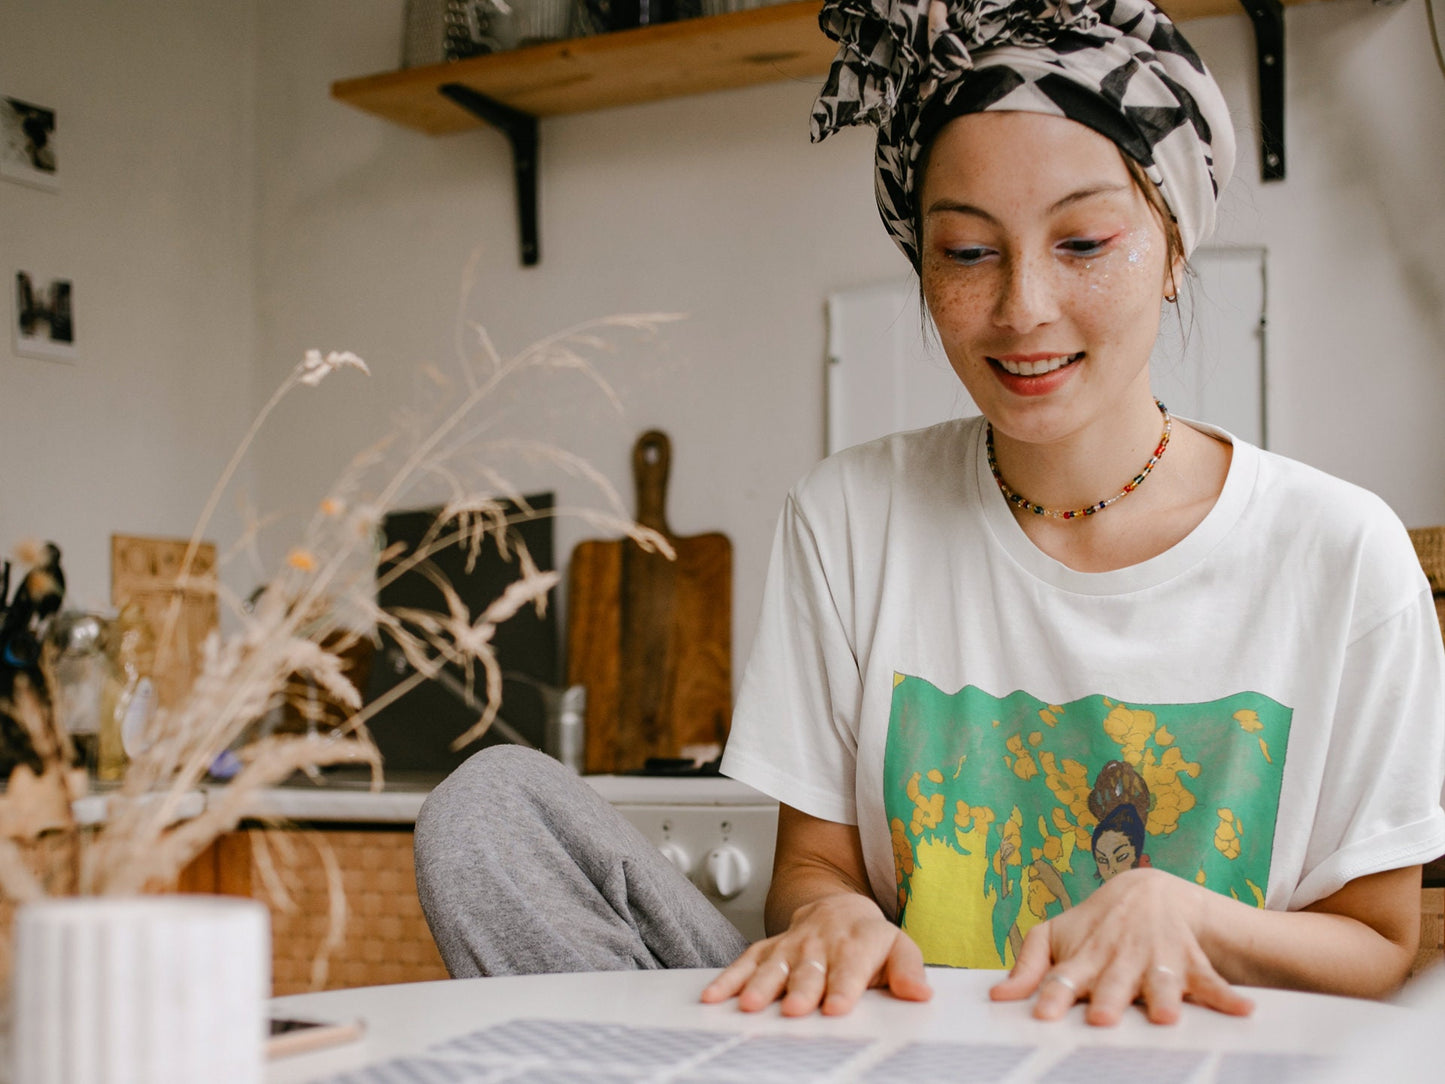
[{"x": 1040, "y": 510}]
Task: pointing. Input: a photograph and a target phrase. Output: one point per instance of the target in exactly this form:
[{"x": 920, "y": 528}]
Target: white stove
[{"x": 717, "y": 831}]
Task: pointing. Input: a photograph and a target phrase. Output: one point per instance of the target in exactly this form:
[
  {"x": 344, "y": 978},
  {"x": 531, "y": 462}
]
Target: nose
[{"x": 1027, "y": 297}]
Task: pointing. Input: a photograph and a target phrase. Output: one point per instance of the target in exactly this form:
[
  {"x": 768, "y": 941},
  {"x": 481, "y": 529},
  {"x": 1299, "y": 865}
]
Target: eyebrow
[{"x": 957, "y": 207}]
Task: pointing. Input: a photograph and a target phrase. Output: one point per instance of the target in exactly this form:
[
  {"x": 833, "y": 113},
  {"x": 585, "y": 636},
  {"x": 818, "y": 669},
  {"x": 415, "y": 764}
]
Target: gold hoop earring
[{"x": 1171, "y": 298}]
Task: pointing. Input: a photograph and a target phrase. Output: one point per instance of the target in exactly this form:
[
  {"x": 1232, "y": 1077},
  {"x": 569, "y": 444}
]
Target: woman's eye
[
  {"x": 1082, "y": 246},
  {"x": 968, "y": 255}
]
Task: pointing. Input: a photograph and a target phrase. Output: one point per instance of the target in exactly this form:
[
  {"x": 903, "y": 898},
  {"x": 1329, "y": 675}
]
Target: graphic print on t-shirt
[{"x": 1006, "y": 810}]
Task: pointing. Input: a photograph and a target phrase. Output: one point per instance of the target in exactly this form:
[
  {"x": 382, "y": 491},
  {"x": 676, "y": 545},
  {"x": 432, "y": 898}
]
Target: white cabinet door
[
  {"x": 1209, "y": 360},
  {"x": 884, "y": 374}
]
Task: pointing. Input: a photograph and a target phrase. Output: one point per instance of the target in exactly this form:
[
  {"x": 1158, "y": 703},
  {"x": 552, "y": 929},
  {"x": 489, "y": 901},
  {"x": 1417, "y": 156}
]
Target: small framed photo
[
  {"x": 27, "y": 144},
  {"x": 44, "y": 318}
]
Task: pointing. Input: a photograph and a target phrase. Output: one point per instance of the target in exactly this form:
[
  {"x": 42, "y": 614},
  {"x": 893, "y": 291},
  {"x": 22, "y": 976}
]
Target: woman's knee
[
  {"x": 499, "y": 770},
  {"x": 489, "y": 794}
]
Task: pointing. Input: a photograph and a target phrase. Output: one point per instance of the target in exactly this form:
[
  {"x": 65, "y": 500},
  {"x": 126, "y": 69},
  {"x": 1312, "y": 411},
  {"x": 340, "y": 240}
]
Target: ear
[{"x": 1173, "y": 277}]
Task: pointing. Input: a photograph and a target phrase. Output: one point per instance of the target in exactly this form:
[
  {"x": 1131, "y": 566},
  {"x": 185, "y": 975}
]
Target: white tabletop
[{"x": 1286, "y": 1038}]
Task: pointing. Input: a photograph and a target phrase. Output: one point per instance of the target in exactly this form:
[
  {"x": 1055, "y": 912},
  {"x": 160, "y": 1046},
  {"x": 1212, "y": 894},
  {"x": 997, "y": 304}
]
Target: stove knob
[
  {"x": 676, "y": 853},
  {"x": 726, "y": 871}
]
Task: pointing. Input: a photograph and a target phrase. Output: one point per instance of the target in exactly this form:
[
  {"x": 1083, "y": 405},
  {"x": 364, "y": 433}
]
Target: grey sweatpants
[{"x": 523, "y": 868}]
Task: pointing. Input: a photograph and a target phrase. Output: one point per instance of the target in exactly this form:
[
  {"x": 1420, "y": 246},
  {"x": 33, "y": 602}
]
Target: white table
[{"x": 1286, "y": 1038}]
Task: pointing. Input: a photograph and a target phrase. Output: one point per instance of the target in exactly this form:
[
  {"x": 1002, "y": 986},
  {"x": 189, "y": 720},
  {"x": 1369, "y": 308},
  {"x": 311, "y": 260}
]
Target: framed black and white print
[
  {"x": 44, "y": 317},
  {"x": 27, "y": 144}
]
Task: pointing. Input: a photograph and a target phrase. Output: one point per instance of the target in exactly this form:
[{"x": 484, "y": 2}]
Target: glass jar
[
  {"x": 128, "y": 699},
  {"x": 81, "y": 671},
  {"x": 537, "y": 21}
]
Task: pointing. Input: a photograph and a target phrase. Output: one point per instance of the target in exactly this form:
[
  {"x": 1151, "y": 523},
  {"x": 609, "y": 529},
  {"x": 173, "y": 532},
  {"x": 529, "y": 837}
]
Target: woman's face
[
  {"x": 1114, "y": 854},
  {"x": 1044, "y": 268}
]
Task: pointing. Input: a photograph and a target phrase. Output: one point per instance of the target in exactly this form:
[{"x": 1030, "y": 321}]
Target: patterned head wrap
[{"x": 1118, "y": 66}]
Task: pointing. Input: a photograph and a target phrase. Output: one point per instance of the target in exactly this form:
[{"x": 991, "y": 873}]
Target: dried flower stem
[{"x": 289, "y": 649}]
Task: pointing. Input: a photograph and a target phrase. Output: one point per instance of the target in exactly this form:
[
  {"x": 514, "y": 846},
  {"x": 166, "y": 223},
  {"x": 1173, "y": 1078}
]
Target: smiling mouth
[{"x": 1036, "y": 368}]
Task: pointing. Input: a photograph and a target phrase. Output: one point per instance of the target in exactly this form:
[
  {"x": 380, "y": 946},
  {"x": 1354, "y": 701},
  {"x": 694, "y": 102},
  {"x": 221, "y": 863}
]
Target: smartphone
[{"x": 291, "y": 1036}]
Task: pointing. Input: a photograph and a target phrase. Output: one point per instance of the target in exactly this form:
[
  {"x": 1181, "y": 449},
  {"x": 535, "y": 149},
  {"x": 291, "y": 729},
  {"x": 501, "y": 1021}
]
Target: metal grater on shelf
[{"x": 438, "y": 31}]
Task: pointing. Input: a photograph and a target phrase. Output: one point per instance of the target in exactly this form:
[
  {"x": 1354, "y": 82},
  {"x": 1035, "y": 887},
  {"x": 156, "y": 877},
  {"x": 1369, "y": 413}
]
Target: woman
[
  {"x": 963, "y": 626},
  {"x": 982, "y": 640}
]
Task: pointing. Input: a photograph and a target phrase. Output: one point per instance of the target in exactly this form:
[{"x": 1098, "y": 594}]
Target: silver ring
[
  {"x": 1163, "y": 970},
  {"x": 819, "y": 964},
  {"x": 1064, "y": 981},
  {"x": 784, "y": 965}
]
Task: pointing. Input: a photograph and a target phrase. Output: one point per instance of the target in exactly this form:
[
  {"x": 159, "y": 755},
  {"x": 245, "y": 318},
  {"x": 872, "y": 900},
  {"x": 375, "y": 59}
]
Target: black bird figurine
[
  {"x": 36, "y": 600},
  {"x": 22, "y": 630}
]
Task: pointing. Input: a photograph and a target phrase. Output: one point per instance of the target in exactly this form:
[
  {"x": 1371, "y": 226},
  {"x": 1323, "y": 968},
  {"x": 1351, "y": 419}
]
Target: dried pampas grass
[{"x": 293, "y": 633}]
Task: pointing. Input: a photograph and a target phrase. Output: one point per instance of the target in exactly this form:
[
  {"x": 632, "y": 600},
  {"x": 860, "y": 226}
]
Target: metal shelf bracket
[
  {"x": 1268, "y": 19},
  {"x": 521, "y": 131}
]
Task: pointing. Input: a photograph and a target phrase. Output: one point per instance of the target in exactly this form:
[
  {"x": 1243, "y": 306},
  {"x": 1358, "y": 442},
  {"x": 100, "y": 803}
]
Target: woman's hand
[
  {"x": 835, "y": 948},
  {"x": 1137, "y": 937}
]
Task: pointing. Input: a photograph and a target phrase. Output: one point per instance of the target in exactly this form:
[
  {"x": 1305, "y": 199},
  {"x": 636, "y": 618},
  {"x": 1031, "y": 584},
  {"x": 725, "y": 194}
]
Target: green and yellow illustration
[{"x": 1005, "y": 811}]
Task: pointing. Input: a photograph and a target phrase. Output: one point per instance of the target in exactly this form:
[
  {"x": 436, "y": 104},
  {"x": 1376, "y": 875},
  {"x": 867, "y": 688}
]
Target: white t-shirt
[{"x": 1260, "y": 708}]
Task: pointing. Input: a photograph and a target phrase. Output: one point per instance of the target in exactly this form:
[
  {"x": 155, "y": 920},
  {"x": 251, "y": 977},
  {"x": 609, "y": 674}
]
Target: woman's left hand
[{"x": 1136, "y": 938}]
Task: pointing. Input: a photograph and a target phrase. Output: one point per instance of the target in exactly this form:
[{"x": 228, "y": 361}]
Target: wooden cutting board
[
  {"x": 650, "y": 638},
  {"x": 143, "y": 572}
]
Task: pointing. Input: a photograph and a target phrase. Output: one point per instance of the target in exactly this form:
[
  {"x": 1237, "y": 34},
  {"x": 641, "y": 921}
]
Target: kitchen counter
[
  {"x": 94, "y": 808},
  {"x": 345, "y": 796},
  {"x": 339, "y": 799}
]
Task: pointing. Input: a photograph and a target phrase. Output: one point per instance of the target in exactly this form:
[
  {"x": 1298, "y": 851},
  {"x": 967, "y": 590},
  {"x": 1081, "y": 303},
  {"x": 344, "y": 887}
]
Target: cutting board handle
[{"x": 651, "y": 459}]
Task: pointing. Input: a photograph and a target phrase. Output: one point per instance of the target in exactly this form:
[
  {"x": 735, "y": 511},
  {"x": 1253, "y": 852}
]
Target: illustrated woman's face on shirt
[
  {"x": 1113, "y": 854},
  {"x": 1043, "y": 266}
]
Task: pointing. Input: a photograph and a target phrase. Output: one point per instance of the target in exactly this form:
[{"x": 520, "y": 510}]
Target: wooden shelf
[
  {"x": 512, "y": 89},
  {"x": 716, "y": 52}
]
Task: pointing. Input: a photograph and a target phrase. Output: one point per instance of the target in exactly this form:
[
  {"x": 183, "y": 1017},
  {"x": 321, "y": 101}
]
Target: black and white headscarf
[{"x": 1118, "y": 66}]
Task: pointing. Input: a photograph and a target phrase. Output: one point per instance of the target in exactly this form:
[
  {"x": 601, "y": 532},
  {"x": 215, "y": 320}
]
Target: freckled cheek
[
  {"x": 960, "y": 312},
  {"x": 958, "y": 308}
]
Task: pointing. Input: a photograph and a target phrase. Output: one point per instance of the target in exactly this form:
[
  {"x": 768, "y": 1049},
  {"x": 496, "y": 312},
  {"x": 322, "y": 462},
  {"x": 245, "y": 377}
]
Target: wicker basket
[
  {"x": 1430, "y": 548},
  {"x": 385, "y": 940}
]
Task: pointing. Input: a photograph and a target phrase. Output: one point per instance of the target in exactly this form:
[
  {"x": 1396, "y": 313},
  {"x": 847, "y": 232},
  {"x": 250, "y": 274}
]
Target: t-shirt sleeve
[
  {"x": 1383, "y": 787},
  {"x": 794, "y": 730}
]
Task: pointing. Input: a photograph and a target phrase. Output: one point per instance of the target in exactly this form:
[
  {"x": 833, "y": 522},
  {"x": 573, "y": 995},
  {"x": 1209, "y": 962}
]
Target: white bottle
[{"x": 566, "y": 737}]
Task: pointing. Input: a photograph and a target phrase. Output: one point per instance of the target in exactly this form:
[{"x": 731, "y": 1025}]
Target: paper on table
[{"x": 564, "y": 1051}]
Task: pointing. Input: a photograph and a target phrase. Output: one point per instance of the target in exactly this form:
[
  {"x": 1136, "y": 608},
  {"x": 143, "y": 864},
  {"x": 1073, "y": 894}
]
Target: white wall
[
  {"x": 717, "y": 206},
  {"x": 154, "y": 225},
  {"x": 196, "y": 137},
  {"x": 713, "y": 206},
  {"x": 1356, "y": 342}
]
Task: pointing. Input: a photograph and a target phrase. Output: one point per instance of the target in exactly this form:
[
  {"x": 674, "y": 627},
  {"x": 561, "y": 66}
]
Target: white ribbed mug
[{"x": 140, "y": 990}]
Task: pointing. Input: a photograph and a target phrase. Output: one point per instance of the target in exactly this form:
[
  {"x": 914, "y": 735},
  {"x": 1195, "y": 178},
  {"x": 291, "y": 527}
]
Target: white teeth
[{"x": 1036, "y": 368}]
